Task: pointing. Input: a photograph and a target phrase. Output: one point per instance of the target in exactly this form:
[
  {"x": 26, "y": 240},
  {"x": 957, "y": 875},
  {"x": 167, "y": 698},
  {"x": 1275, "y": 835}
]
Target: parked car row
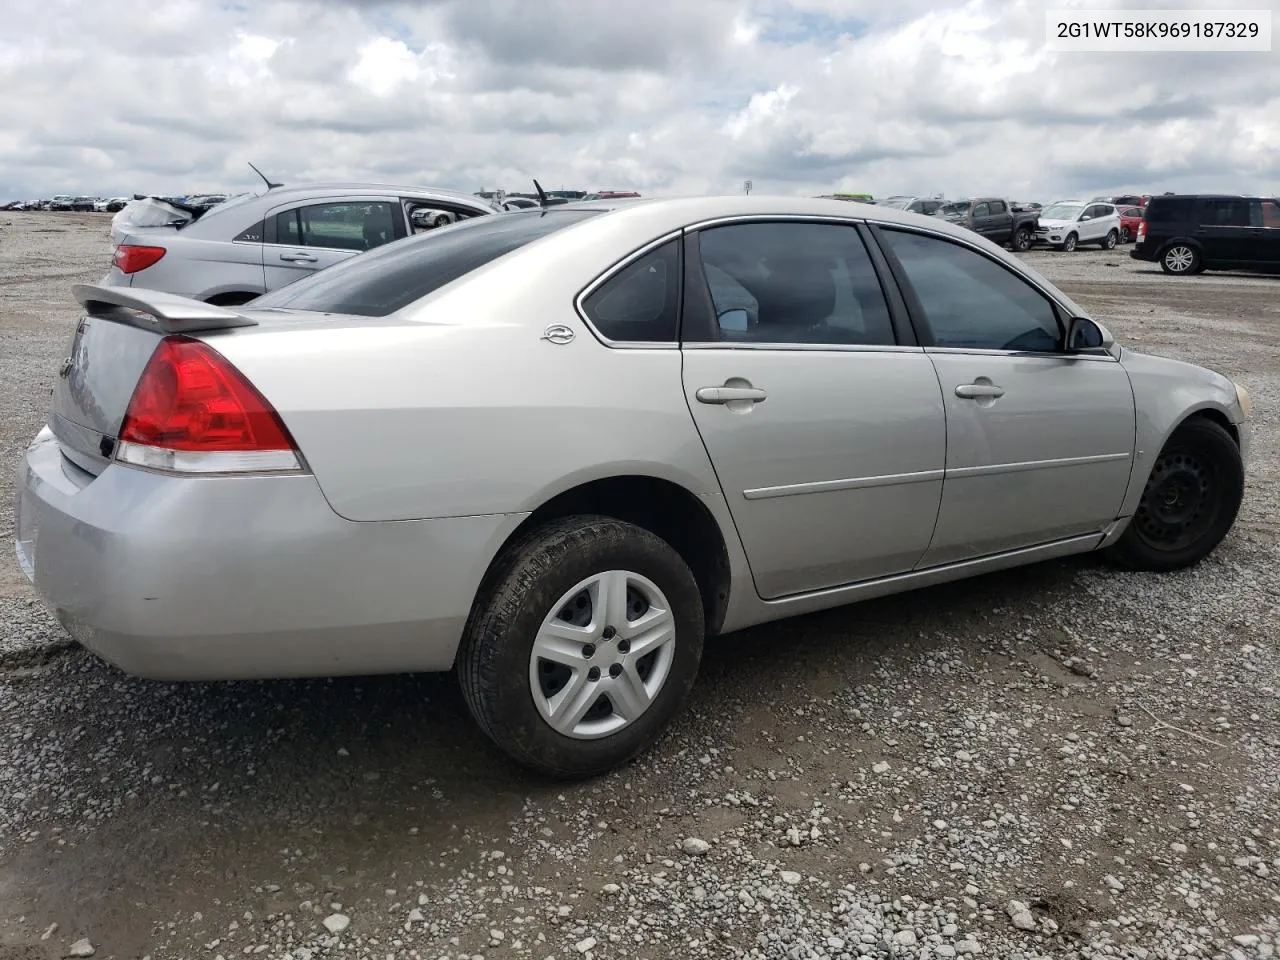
[{"x": 65, "y": 202}]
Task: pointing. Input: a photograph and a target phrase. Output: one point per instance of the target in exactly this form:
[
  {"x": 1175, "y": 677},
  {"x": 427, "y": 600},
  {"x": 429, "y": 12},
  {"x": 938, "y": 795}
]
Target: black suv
[{"x": 1189, "y": 234}]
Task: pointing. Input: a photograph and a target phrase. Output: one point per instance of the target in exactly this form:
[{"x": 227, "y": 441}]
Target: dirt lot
[{"x": 882, "y": 780}]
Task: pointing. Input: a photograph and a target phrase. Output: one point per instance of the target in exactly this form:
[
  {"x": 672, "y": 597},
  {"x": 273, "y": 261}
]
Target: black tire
[
  {"x": 441, "y": 221},
  {"x": 1181, "y": 259},
  {"x": 1069, "y": 243},
  {"x": 1109, "y": 241},
  {"x": 1189, "y": 503},
  {"x": 519, "y": 592},
  {"x": 1124, "y": 235},
  {"x": 1022, "y": 240}
]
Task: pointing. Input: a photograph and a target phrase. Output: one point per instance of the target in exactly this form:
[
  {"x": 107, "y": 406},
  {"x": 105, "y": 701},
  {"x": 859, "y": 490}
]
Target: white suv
[{"x": 1066, "y": 224}]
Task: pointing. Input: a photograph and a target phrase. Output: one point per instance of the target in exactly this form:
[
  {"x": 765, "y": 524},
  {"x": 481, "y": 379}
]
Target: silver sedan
[{"x": 553, "y": 450}]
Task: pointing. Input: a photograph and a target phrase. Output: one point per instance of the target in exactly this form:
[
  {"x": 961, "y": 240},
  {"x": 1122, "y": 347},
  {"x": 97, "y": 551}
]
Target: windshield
[
  {"x": 393, "y": 276},
  {"x": 1061, "y": 211}
]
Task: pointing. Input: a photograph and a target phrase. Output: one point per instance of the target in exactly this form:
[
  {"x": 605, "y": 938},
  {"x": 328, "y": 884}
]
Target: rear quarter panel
[
  {"x": 461, "y": 409},
  {"x": 201, "y": 268}
]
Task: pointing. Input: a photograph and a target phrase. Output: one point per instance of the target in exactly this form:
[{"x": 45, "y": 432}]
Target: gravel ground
[{"x": 1059, "y": 761}]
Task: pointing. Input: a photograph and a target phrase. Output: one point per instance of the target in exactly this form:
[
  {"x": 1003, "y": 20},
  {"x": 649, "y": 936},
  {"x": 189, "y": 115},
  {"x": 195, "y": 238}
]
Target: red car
[{"x": 1130, "y": 217}]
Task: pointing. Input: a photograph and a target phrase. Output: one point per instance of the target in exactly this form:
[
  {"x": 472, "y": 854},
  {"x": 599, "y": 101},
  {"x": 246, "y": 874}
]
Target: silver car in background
[
  {"x": 232, "y": 252},
  {"x": 553, "y": 450}
]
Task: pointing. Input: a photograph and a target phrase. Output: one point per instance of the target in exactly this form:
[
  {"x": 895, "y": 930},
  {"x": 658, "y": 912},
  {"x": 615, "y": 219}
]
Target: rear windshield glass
[{"x": 391, "y": 277}]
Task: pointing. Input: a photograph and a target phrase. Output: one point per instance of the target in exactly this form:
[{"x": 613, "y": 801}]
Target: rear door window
[
  {"x": 981, "y": 210},
  {"x": 1265, "y": 214},
  {"x": 785, "y": 283},
  {"x": 389, "y": 279},
  {"x": 1224, "y": 212},
  {"x": 359, "y": 225}
]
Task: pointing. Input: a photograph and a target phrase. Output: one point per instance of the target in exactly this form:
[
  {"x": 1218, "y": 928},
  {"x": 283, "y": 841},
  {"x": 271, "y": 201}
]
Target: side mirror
[
  {"x": 1085, "y": 334},
  {"x": 1084, "y": 217},
  {"x": 734, "y": 320}
]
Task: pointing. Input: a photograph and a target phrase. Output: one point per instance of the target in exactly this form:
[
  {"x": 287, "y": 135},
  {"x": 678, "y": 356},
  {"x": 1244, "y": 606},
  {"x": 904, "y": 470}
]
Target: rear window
[
  {"x": 1169, "y": 209},
  {"x": 391, "y": 277}
]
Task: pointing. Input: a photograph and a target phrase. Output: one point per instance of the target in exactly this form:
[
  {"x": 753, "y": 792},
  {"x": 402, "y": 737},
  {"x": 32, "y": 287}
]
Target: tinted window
[
  {"x": 1226, "y": 212},
  {"x": 347, "y": 226},
  {"x": 287, "y": 228},
  {"x": 1169, "y": 209},
  {"x": 1266, "y": 214},
  {"x": 997, "y": 206},
  {"x": 794, "y": 283},
  {"x": 385, "y": 280},
  {"x": 971, "y": 301},
  {"x": 641, "y": 302},
  {"x": 981, "y": 210}
]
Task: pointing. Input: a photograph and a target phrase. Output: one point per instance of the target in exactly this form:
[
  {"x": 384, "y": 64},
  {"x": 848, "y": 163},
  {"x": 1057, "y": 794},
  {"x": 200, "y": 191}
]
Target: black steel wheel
[{"x": 1190, "y": 500}]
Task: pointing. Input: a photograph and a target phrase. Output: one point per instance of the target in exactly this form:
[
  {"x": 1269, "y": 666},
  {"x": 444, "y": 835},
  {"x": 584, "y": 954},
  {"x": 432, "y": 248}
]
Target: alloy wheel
[{"x": 1179, "y": 259}]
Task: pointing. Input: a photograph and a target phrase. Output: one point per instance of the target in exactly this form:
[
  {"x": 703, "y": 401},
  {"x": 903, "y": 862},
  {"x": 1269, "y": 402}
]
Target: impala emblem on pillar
[{"x": 558, "y": 333}]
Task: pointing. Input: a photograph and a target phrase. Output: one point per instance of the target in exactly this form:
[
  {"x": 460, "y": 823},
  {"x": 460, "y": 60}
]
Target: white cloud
[
  {"x": 384, "y": 65},
  {"x": 664, "y": 96},
  {"x": 761, "y": 110},
  {"x": 246, "y": 63}
]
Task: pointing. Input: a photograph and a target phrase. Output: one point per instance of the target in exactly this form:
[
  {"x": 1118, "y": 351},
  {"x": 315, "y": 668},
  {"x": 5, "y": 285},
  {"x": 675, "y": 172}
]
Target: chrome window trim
[
  {"x": 608, "y": 275},
  {"x": 808, "y": 347},
  {"x": 1014, "y": 268},
  {"x": 1096, "y": 353}
]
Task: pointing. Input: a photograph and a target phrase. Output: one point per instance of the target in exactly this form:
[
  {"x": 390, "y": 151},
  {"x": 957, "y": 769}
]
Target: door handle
[
  {"x": 729, "y": 394},
  {"x": 976, "y": 391},
  {"x": 298, "y": 257}
]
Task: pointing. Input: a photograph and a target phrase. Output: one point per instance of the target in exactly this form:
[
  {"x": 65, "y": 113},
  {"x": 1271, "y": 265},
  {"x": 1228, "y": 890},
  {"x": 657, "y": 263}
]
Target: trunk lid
[{"x": 114, "y": 340}]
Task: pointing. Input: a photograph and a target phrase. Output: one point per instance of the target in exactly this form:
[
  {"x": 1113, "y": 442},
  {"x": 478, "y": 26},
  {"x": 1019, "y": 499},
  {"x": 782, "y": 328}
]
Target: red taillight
[
  {"x": 1142, "y": 231},
  {"x": 193, "y": 411},
  {"x": 130, "y": 257}
]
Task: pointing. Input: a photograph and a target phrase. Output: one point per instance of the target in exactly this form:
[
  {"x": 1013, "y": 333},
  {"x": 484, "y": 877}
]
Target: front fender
[{"x": 1166, "y": 392}]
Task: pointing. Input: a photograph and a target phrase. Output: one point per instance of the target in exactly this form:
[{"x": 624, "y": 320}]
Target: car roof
[
  {"x": 654, "y": 216},
  {"x": 325, "y": 188},
  {"x": 1207, "y": 196}
]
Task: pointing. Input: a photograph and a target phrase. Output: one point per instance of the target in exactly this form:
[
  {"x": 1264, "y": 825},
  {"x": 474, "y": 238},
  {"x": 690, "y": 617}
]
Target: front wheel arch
[{"x": 1207, "y": 442}]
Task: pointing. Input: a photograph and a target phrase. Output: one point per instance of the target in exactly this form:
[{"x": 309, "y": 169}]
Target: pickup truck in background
[{"x": 995, "y": 219}]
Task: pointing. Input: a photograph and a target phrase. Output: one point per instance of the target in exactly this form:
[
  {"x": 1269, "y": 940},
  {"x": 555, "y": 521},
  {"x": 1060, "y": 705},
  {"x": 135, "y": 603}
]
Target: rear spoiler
[{"x": 153, "y": 309}]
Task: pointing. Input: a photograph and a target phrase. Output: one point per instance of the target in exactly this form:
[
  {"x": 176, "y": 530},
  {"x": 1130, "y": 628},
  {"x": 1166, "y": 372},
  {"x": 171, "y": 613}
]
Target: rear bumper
[
  {"x": 196, "y": 578},
  {"x": 1143, "y": 251}
]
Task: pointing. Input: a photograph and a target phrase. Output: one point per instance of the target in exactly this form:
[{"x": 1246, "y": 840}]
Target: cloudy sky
[{"x": 662, "y": 96}]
